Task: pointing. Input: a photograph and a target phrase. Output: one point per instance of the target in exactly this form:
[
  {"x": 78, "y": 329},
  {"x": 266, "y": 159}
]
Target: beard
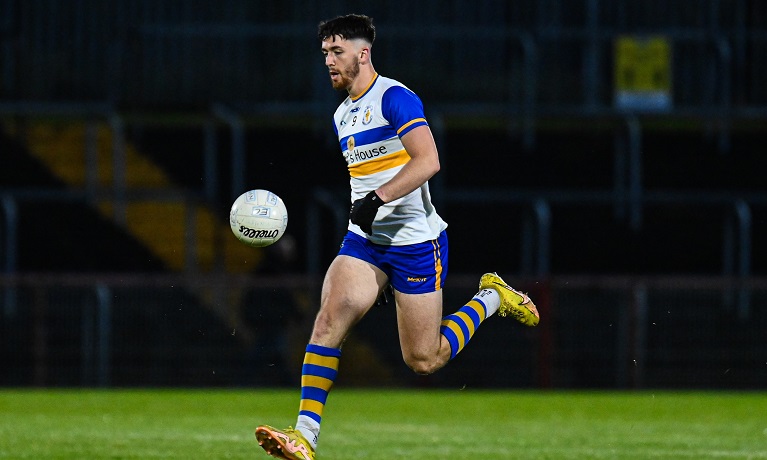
[{"x": 346, "y": 77}]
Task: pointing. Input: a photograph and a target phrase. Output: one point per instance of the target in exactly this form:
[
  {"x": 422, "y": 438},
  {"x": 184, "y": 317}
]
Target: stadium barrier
[{"x": 595, "y": 332}]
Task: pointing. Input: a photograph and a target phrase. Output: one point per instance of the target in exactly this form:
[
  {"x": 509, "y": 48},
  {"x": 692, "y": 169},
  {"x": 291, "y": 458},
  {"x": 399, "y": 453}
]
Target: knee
[{"x": 422, "y": 364}]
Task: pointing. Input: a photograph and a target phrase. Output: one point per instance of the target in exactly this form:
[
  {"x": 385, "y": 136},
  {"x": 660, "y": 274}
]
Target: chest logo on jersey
[
  {"x": 367, "y": 115},
  {"x": 353, "y": 155}
]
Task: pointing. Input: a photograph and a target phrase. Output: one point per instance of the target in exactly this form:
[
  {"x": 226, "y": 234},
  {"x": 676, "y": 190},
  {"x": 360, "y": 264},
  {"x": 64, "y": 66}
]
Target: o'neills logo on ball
[
  {"x": 254, "y": 233},
  {"x": 350, "y": 143}
]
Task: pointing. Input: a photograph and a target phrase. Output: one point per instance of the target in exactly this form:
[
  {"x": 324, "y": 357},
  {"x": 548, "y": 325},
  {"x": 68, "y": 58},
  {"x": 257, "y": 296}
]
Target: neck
[{"x": 362, "y": 82}]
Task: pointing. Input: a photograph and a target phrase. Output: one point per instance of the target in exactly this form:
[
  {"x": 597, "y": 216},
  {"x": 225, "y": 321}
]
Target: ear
[{"x": 364, "y": 54}]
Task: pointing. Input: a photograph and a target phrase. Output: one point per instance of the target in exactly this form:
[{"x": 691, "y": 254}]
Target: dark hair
[{"x": 348, "y": 27}]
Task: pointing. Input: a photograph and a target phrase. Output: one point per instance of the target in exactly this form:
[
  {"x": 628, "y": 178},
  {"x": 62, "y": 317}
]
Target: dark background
[{"x": 653, "y": 251}]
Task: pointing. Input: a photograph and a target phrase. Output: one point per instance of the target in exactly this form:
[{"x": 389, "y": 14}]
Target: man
[{"x": 395, "y": 236}]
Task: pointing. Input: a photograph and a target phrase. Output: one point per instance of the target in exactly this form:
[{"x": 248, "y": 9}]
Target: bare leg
[
  {"x": 424, "y": 349},
  {"x": 350, "y": 288}
]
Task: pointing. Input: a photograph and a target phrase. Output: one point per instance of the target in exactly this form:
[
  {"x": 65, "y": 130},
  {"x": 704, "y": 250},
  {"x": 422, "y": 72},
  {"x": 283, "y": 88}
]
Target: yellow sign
[{"x": 643, "y": 72}]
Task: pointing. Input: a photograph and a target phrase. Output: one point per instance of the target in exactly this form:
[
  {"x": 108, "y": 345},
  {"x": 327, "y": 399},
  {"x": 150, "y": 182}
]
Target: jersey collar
[{"x": 370, "y": 85}]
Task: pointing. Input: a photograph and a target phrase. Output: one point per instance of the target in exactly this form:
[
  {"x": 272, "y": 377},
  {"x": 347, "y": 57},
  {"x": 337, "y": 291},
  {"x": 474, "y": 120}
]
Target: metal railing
[{"x": 607, "y": 332}]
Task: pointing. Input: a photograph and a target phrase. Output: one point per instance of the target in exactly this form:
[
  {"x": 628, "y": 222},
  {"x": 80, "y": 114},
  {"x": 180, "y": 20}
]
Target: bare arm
[{"x": 423, "y": 164}]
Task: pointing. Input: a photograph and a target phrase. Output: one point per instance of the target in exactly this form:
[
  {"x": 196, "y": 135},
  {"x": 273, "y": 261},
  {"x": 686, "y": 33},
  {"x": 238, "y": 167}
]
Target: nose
[{"x": 329, "y": 61}]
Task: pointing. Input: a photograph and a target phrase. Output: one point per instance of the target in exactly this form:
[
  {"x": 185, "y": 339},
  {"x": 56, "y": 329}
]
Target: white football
[{"x": 258, "y": 218}]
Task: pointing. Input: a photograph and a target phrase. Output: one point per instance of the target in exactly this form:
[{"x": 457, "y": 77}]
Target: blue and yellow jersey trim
[
  {"x": 367, "y": 88},
  {"x": 407, "y": 127},
  {"x": 389, "y": 161}
]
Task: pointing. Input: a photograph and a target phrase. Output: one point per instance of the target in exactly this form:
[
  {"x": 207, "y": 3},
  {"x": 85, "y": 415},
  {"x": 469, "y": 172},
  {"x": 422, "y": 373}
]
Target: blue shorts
[{"x": 412, "y": 269}]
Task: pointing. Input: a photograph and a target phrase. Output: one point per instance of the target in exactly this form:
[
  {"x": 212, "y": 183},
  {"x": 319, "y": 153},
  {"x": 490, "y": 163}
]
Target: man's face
[{"x": 342, "y": 61}]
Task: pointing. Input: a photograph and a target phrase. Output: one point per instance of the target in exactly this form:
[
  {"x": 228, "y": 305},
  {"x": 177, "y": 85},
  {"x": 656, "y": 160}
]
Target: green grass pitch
[{"x": 386, "y": 424}]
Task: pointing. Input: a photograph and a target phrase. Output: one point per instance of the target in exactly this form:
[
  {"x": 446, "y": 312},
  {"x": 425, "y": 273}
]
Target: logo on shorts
[{"x": 414, "y": 279}]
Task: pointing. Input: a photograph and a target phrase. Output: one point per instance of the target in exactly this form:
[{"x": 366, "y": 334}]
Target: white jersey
[{"x": 369, "y": 128}]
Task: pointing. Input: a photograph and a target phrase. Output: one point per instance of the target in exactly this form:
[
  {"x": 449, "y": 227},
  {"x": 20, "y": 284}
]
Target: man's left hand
[{"x": 363, "y": 211}]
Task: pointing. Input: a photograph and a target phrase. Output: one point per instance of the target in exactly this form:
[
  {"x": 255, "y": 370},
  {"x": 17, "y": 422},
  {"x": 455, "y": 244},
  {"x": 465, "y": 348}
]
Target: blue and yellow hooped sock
[
  {"x": 459, "y": 327},
  {"x": 317, "y": 376}
]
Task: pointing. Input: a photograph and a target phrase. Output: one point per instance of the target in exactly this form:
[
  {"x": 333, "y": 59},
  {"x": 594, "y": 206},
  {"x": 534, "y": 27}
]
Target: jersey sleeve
[{"x": 403, "y": 109}]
